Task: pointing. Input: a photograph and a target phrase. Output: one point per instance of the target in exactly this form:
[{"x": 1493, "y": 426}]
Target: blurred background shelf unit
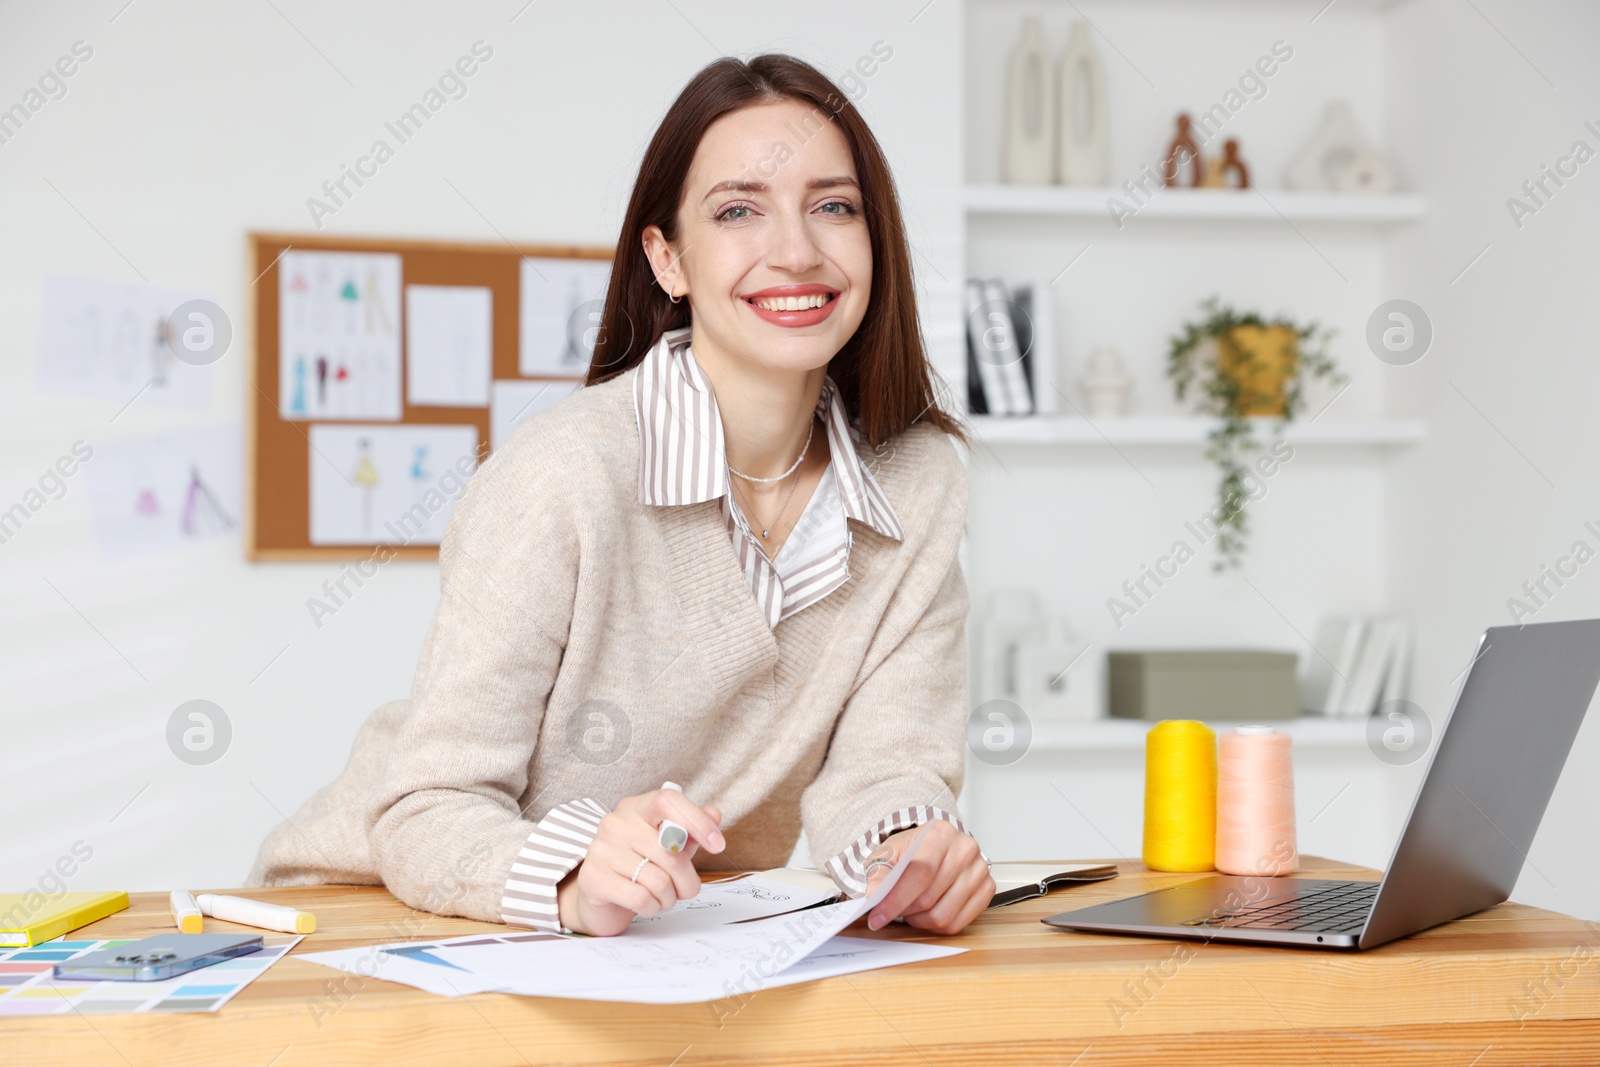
[
  {"x": 1184, "y": 430},
  {"x": 1076, "y": 509},
  {"x": 1228, "y": 205}
]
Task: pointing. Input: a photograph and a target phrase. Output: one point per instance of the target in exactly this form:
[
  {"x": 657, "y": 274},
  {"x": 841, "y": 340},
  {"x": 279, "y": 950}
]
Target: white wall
[
  {"x": 194, "y": 123},
  {"x": 1497, "y": 493}
]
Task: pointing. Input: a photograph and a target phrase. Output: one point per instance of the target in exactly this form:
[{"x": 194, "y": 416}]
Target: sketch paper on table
[
  {"x": 449, "y": 338},
  {"x": 391, "y": 485},
  {"x": 514, "y": 402},
  {"x": 561, "y": 304},
  {"x": 339, "y": 335},
  {"x": 667, "y": 966},
  {"x": 836, "y": 956},
  {"x": 736, "y": 900},
  {"x": 157, "y": 494},
  {"x": 414, "y": 963},
  {"x": 101, "y": 338}
]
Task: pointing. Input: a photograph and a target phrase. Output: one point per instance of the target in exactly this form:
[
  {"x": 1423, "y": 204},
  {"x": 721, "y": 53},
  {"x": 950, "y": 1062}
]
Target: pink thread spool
[{"x": 1255, "y": 803}]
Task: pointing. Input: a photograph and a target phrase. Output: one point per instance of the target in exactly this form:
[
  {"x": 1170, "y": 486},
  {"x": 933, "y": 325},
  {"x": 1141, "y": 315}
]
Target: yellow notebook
[{"x": 29, "y": 918}]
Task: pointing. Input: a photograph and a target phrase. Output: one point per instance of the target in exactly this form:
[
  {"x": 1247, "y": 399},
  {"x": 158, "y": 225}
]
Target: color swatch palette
[{"x": 28, "y": 988}]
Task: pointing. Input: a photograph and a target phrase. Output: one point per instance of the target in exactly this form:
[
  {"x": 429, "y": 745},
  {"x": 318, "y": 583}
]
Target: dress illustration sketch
[{"x": 366, "y": 477}]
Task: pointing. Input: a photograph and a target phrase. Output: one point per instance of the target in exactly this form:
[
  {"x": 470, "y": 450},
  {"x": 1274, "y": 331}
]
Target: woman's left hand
[{"x": 944, "y": 887}]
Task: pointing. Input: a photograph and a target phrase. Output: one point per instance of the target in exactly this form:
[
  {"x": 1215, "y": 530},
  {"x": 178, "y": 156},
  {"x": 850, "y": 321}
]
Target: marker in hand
[{"x": 671, "y": 836}]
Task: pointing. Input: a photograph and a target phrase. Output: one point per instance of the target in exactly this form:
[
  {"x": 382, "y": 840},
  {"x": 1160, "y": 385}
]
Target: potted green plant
[{"x": 1240, "y": 366}]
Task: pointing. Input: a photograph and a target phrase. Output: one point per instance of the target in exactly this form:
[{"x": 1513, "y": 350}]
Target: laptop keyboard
[{"x": 1334, "y": 908}]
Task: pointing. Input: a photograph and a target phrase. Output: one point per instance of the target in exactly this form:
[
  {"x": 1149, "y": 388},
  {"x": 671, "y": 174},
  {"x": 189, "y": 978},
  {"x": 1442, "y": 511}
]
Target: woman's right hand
[{"x": 598, "y": 897}]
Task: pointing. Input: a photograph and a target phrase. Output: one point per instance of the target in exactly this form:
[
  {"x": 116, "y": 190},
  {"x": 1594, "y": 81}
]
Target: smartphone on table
[{"x": 162, "y": 956}]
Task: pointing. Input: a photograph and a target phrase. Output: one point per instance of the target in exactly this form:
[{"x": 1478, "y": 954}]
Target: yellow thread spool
[{"x": 1180, "y": 796}]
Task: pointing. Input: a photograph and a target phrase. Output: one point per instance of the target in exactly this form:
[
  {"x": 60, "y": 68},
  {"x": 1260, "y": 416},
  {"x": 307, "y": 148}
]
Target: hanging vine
[{"x": 1221, "y": 391}]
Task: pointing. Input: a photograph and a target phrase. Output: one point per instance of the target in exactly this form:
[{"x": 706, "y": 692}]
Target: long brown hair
[{"x": 882, "y": 372}]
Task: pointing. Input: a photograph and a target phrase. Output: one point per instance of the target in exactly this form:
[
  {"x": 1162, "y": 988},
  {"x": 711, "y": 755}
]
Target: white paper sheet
[
  {"x": 737, "y": 900},
  {"x": 149, "y": 495},
  {"x": 645, "y": 965},
  {"x": 666, "y": 966},
  {"x": 108, "y": 339},
  {"x": 515, "y": 402},
  {"x": 449, "y": 344},
  {"x": 417, "y": 964},
  {"x": 414, "y": 963},
  {"x": 836, "y": 956},
  {"x": 560, "y": 314},
  {"x": 387, "y": 484},
  {"x": 339, "y": 335}
]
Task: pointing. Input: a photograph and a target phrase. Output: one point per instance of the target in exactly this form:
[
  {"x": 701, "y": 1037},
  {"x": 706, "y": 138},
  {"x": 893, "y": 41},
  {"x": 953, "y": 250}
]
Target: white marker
[
  {"x": 186, "y": 912},
  {"x": 257, "y": 913},
  {"x": 671, "y": 836}
]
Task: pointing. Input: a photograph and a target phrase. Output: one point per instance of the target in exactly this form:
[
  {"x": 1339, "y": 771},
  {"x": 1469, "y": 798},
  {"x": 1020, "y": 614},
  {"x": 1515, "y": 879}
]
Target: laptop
[{"x": 1485, "y": 788}]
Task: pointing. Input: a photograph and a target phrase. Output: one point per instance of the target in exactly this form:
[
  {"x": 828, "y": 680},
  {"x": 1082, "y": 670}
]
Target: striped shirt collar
[{"x": 683, "y": 458}]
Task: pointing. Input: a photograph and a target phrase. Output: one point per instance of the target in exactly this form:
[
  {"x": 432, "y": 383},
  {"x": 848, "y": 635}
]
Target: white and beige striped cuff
[
  {"x": 848, "y": 868},
  {"x": 556, "y": 845}
]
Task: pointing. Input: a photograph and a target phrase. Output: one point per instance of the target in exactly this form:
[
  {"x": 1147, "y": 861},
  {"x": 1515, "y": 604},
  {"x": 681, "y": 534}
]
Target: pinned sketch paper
[
  {"x": 560, "y": 306},
  {"x": 164, "y": 493},
  {"x": 514, "y": 402},
  {"x": 392, "y": 485},
  {"x": 339, "y": 335},
  {"x": 449, "y": 336},
  {"x": 31, "y": 988},
  {"x": 109, "y": 339}
]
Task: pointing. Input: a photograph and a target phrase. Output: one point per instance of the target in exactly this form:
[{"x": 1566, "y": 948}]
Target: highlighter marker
[
  {"x": 257, "y": 913},
  {"x": 672, "y": 837},
  {"x": 186, "y": 913}
]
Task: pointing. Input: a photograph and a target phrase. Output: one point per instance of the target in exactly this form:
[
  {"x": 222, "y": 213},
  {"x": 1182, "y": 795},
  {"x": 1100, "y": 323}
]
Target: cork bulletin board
[{"x": 368, "y": 372}]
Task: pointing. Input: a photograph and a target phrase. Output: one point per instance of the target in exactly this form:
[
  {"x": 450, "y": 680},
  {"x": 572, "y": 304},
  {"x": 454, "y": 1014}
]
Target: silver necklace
[
  {"x": 793, "y": 486},
  {"x": 810, "y": 429},
  {"x": 751, "y": 507}
]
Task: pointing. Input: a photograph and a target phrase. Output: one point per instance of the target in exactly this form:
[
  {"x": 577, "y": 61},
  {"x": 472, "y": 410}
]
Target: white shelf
[
  {"x": 1100, "y": 735},
  {"x": 1155, "y": 430},
  {"x": 1275, "y": 205}
]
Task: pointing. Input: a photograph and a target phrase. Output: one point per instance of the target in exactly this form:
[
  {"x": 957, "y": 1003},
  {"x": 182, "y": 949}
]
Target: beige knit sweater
[{"x": 586, "y": 645}]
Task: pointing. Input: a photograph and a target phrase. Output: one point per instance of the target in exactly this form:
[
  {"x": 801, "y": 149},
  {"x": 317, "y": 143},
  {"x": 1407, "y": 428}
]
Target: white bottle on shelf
[
  {"x": 1030, "y": 120},
  {"x": 1083, "y": 149}
]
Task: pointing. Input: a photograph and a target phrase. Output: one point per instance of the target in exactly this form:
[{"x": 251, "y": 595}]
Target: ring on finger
[
  {"x": 644, "y": 860},
  {"x": 878, "y": 861}
]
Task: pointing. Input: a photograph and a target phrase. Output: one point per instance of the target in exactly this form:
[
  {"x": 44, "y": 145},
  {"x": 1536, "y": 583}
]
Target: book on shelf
[
  {"x": 1036, "y": 329},
  {"x": 985, "y": 396},
  {"x": 1359, "y": 662},
  {"x": 1010, "y": 338},
  {"x": 1011, "y": 354}
]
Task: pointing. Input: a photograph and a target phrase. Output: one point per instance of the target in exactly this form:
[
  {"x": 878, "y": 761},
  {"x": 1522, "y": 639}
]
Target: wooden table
[{"x": 1512, "y": 985}]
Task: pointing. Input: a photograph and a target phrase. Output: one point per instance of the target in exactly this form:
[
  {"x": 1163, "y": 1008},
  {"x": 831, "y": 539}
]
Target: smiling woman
[
  {"x": 775, "y": 119},
  {"x": 686, "y": 571}
]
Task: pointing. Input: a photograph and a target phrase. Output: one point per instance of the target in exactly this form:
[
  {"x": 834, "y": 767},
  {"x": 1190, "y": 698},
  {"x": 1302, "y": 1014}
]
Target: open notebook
[{"x": 1012, "y": 881}]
